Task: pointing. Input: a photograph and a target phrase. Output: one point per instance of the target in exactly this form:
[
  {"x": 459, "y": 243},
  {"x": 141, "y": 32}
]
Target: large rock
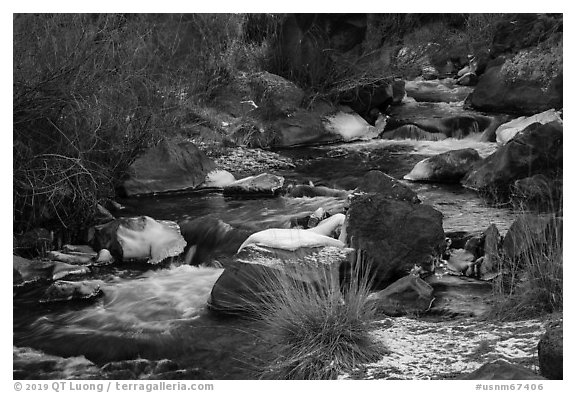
[
  {"x": 496, "y": 93},
  {"x": 264, "y": 184},
  {"x": 208, "y": 237},
  {"x": 408, "y": 295},
  {"x": 538, "y": 149},
  {"x": 275, "y": 95},
  {"x": 449, "y": 167},
  {"x": 538, "y": 189},
  {"x": 290, "y": 239},
  {"x": 260, "y": 273},
  {"x": 169, "y": 166},
  {"x": 350, "y": 126},
  {"x": 365, "y": 98},
  {"x": 380, "y": 183},
  {"x": 394, "y": 235},
  {"x": 508, "y": 130},
  {"x": 550, "y": 352},
  {"x": 501, "y": 370},
  {"x": 140, "y": 238}
]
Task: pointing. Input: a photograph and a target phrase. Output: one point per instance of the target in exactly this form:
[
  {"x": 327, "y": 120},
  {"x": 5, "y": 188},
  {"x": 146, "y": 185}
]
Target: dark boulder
[
  {"x": 264, "y": 184},
  {"x": 459, "y": 295},
  {"x": 495, "y": 93},
  {"x": 538, "y": 190},
  {"x": 449, "y": 167},
  {"x": 538, "y": 149},
  {"x": 364, "y": 98},
  {"x": 530, "y": 234},
  {"x": 30, "y": 271},
  {"x": 301, "y": 129},
  {"x": 384, "y": 185},
  {"x": 394, "y": 235},
  {"x": 550, "y": 352},
  {"x": 501, "y": 370},
  {"x": 408, "y": 295},
  {"x": 274, "y": 95},
  {"x": 261, "y": 273},
  {"x": 208, "y": 237},
  {"x": 169, "y": 166}
]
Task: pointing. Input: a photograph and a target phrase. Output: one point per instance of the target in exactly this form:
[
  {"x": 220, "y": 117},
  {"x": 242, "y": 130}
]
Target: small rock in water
[{"x": 61, "y": 291}]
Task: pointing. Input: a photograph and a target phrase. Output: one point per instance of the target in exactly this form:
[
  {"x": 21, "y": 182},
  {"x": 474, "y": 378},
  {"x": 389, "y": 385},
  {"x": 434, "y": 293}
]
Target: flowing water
[{"x": 161, "y": 312}]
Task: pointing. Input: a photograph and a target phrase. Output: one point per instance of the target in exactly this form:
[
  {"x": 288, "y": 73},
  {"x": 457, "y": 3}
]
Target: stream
[{"x": 160, "y": 312}]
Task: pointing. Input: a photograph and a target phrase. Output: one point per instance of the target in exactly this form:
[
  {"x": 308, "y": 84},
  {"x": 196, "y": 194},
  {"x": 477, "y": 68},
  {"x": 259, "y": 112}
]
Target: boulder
[
  {"x": 550, "y": 352},
  {"x": 140, "y": 238},
  {"x": 304, "y": 190},
  {"x": 444, "y": 90},
  {"x": 382, "y": 184},
  {"x": 394, "y": 235},
  {"x": 73, "y": 258},
  {"x": 169, "y": 166},
  {"x": 302, "y": 128},
  {"x": 449, "y": 167},
  {"x": 461, "y": 261},
  {"x": 496, "y": 93},
  {"x": 259, "y": 273},
  {"x": 290, "y": 239},
  {"x": 459, "y": 295},
  {"x": 208, "y": 237},
  {"x": 261, "y": 185},
  {"x": 408, "y": 295},
  {"x": 501, "y": 370},
  {"x": 274, "y": 94},
  {"x": 508, "y": 130},
  {"x": 538, "y": 149},
  {"x": 364, "y": 98},
  {"x": 61, "y": 291}
]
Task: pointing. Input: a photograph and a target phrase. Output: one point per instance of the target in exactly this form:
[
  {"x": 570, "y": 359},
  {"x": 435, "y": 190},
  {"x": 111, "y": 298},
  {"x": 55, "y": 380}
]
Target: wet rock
[
  {"x": 509, "y": 130},
  {"x": 73, "y": 259},
  {"x": 302, "y": 128},
  {"x": 380, "y": 183},
  {"x": 80, "y": 249},
  {"x": 104, "y": 257},
  {"x": 394, "y": 235},
  {"x": 30, "y": 271},
  {"x": 209, "y": 237},
  {"x": 169, "y": 166},
  {"x": 261, "y": 185},
  {"x": 496, "y": 93},
  {"x": 259, "y": 272},
  {"x": 538, "y": 149},
  {"x": 408, "y": 295},
  {"x": 140, "y": 238},
  {"x": 550, "y": 352},
  {"x": 364, "y": 98},
  {"x": 218, "y": 179},
  {"x": 350, "y": 127},
  {"x": 290, "y": 239},
  {"x": 102, "y": 215},
  {"x": 29, "y": 363},
  {"x": 410, "y": 131},
  {"x": 304, "y": 190},
  {"x": 449, "y": 167},
  {"x": 459, "y": 295},
  {"x": 61, "y": 291},
  {"x": 462, "y": 262},
  {"x": 501, "y": 370},
  {"x": 444, "y": 90}
]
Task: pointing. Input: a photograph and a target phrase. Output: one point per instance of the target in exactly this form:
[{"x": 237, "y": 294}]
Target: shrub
[
  {"x": 532, "y": 283},
  {"x": 317, "y": 333}
]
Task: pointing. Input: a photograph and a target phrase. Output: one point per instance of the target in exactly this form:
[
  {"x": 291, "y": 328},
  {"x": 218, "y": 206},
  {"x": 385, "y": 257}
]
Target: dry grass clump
[{"x": 317, "y": 332}]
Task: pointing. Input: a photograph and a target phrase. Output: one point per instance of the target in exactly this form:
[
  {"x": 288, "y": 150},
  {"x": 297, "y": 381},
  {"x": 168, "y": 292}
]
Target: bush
[
  {"x": 92, "y": 91},
  {"x": 317, "y": 333},
  {"x": 531, "y": 284}
]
